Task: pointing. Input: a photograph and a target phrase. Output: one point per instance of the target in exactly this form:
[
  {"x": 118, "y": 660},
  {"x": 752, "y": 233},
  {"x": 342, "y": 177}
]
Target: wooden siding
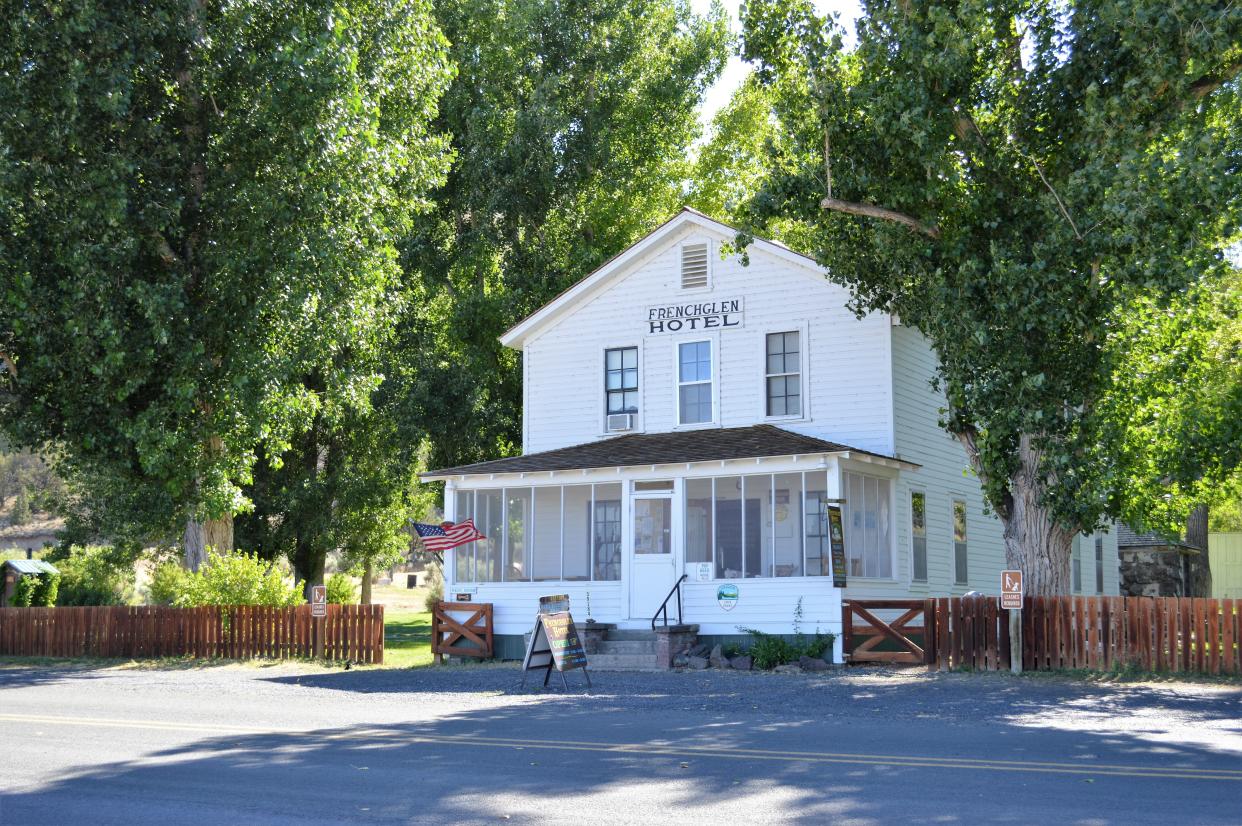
[
  {"x": 1225, "y": 557},
  {"x": 846, "y": 384}
]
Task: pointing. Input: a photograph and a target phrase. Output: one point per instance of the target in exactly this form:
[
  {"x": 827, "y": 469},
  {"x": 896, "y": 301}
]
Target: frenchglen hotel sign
[{"x": 694, "y": 315}]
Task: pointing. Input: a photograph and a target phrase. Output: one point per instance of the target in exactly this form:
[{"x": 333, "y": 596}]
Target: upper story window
[
  {"x": 621, "y": 379},
  {"x": 783, "y": 373},
  {"x": 694, "y": 266},
  {"x": 694, "y": 382}
]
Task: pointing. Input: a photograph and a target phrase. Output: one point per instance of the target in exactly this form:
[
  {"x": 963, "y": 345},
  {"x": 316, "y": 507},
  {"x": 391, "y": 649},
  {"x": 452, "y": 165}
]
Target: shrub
[
  {"x": 23, "y": 592},
  {"x": 89, "y": 576},
  {"x": 168, "y": 581},
  {"x": 770, "y": 650},
  {"x": 46, "y": 589},
  {"x": 435, "y": 586},
  {"x": 238, "y": 579},
  {"x": 20, "y": 514},
  {"x": 341, "y": 590}
]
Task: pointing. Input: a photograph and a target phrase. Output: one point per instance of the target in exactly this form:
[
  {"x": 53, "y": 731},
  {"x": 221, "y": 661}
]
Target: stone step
[
  {"x": 611, "y": 646},
  {"x": 620, "y": 635},
  {"x": 621, "y": 662}
]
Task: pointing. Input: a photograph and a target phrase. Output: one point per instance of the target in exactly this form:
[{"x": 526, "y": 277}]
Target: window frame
[
  {"x": 713, "y": 341},
  {"x": 891, "y": 528},
  {"x": 766, "y": 401},
  {"x": 638, "y": 383},
  {"x": 954, "y": 501},
  {"x": 1099, "y": 563}
]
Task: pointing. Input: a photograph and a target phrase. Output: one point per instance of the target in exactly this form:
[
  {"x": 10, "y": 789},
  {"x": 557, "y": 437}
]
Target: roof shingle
[{"x": 707, "y": 445}]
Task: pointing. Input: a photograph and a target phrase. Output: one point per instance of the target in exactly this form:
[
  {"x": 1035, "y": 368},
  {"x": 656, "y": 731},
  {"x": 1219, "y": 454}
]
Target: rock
[
  {"x": 742, "y": 662},
  {"x": 680, "y": 661},
  {"x": 717, "y": 658},
  {"x": 812, "y": 664},
  {"x": 697, "y": 663},
  {"x": 699, "y": 650},
  {"x": 788, "y": 668}
]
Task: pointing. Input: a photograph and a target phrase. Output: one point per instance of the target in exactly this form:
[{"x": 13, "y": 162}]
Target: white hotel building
[{"x": 685, "y": 414}]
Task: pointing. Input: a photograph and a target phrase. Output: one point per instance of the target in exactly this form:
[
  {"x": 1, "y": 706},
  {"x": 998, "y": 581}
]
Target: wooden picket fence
[
  {"x": 1202, "y": 636},
  {"x": 236, "y": 632}
]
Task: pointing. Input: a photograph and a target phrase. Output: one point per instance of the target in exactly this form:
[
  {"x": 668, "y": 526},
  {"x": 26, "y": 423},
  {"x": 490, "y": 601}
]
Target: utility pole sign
[{"x": 1011, "y": 590}]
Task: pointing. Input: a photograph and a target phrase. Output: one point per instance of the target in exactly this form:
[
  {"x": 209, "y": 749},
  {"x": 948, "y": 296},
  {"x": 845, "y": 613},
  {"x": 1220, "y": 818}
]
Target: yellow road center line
[{"x": 646, "y": 749}]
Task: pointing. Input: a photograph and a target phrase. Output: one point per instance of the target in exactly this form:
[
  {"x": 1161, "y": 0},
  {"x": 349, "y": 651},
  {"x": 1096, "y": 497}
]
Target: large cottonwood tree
[
  {"x": 1007, "y": 177},
  {"x": 198, "y": 208},
  {"x": 570, "y": 123}
]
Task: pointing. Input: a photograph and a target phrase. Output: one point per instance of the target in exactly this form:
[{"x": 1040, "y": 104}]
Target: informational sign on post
[
  {"x": 836, "y": 540},
  {"x": 319, "y": 601},
  {"x": 1011, "y": 590}
]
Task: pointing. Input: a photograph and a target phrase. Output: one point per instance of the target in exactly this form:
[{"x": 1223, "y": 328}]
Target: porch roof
[{"x": 679, "y": 447}]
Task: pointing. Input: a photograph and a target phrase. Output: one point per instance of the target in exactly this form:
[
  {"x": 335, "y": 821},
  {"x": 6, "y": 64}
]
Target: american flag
[{"x": 440, "y": 538}]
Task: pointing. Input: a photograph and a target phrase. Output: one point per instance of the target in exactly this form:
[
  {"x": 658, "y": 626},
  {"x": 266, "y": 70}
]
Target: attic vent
[{"x": 693, "y": 266}]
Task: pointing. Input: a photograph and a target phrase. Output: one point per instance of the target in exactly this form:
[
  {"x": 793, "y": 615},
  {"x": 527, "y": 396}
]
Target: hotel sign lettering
[{"x": 694, "y": 315}]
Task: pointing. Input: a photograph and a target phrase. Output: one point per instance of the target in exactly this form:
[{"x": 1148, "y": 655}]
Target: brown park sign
[{"x": 1011, "y": 590}]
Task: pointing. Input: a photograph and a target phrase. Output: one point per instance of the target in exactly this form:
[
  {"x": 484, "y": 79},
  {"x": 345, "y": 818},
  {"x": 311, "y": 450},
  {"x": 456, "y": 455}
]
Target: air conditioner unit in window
[{"x": 620, "y": 421}]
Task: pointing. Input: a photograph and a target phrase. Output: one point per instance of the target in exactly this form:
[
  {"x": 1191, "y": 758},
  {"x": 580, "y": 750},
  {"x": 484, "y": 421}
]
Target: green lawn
[{"x": 407, "y": 638}]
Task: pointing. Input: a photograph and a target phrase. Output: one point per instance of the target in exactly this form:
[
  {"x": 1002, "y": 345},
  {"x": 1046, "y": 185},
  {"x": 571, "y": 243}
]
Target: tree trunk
[
  {"x": 216, "y": 534},
  {"x": 368, "y": 574},
  {"x": 1035, "y": 543},
  {"x": 308, "y": 564},
  {"x": 1200, "y": 584}
]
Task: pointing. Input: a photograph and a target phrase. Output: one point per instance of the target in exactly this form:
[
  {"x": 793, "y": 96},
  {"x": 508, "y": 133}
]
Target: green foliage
[
  {"x": 238, "y": 579},
  {"x": 169, "y": 580},
  {"x": 20, "y": 513},
  {"x": 94, "y": 575},
  {"x": 341, "y": 589},
  {"x": 435, "y": 587},
  {"x": 1226, "y": 517},
  {"x": 771, "y": 650},
  {"x": 201, "y": 207},
  {"x": 1039, "y": 170},
  {"x": 571, "y": 123},
  {"x": 23, "y": 592},
  {"x": 46, "y": 590}
]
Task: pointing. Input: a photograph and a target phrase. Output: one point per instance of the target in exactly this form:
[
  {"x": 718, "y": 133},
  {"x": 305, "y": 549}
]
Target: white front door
[{"x": 652, "y": 562}]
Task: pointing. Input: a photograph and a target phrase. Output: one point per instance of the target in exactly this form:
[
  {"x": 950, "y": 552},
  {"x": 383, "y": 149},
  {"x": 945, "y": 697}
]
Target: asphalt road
[{"x": 294, "y": 744}]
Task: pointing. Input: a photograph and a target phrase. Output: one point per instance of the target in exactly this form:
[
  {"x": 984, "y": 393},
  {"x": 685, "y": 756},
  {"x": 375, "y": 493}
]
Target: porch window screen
[
  {"x": 868, "y": 543},
  {"x": 541, "y": 534},
  {"x": 918, "y": 536},
  {"x": 760, "y": 525}
]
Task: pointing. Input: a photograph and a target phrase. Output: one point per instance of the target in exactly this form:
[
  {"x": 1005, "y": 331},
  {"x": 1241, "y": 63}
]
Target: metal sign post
[
  {"x": 319, "y": 610},
  {"x": 1011, "y": 601}
]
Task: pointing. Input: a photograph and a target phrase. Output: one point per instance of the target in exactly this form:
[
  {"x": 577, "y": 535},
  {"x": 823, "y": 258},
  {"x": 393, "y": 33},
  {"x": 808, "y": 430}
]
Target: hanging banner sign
[
  {"x": 836, "y": 537},
  {"x": 695, "y": 315}
]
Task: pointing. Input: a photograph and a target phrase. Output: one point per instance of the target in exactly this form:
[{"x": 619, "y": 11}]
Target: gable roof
[
  {"x": 31, "y": 566},
  {"x": 1127, "y": 537},
  {"x": 616, "y": 266},
  {"x": 637, "y": 449}
]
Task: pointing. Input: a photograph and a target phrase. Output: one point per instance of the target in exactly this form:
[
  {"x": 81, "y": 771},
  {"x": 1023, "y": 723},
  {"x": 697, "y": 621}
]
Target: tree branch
[
  {"x": 7, "y": 364},
  {"x": 1207, "y": 84},
  {"x": 883, "y": 213}
]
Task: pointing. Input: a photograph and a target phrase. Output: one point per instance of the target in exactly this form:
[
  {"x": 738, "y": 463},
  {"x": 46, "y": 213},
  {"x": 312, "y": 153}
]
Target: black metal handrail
[{"x": 663, "y": 609}]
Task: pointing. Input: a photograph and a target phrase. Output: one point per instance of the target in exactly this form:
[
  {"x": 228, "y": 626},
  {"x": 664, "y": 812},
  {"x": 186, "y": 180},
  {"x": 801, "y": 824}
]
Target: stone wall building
[{"x": 1154, "y": 566}]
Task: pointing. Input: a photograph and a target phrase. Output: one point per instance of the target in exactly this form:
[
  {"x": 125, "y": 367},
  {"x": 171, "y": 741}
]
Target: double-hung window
[
  {"x": 1099, "y": 564},
  {"x": 961, "y": 558},
  {"x": 694, "y": 382},
  {"x": 621, "y": 379},
  {"x": 918, "y": 536},
  {"x": 783, "y": 374}
]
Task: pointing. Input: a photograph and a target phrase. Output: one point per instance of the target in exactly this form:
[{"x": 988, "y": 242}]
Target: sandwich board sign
[
  {"x": 1011, "y": 590},
  {"x": 319, "y": 601},
  {"x": 554, "y": 642}
]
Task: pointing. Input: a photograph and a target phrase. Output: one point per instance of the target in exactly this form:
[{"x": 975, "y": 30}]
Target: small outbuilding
[{"x": 15, "y": 569}]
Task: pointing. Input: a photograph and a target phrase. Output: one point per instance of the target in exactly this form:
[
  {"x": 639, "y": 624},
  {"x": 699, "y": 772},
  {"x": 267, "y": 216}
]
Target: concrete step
[
  {"x": 621, "y": 635},
  {"x": 611, "y": 646},
  {"x": 621, "y": 662}
]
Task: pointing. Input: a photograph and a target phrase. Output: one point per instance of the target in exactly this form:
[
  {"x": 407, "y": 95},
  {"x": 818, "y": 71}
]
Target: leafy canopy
[
  {"x": 199, "y": 205},
  {"x": 1012, "y": 179}
]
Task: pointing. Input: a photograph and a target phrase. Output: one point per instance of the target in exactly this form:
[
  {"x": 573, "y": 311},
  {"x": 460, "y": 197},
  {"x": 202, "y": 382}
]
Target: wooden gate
[
  {"x": 862, "y": 641},
  {"x": 468, "y": 637}
]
